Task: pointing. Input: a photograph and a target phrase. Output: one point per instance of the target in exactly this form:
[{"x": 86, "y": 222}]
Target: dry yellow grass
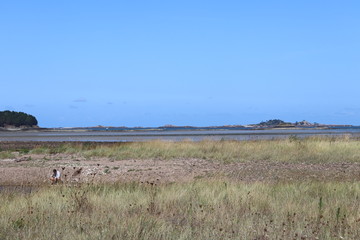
[
  {"x": 310, "y": 150},
  {"x": 211, "y": 209}
]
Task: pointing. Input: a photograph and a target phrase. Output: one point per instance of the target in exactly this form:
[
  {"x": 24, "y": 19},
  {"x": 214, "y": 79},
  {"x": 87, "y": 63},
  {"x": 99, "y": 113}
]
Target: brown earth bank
[{"x": 35, "y": 169}]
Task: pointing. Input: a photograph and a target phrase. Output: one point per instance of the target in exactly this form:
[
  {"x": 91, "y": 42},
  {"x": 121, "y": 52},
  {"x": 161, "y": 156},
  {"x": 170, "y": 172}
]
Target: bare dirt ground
[{"x": 34, "y": 169}]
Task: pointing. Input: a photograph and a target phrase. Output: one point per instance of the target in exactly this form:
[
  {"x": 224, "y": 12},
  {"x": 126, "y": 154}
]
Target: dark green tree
[
  {"x": 273, "y": 122},
  {"x": 17, "y": 119}
]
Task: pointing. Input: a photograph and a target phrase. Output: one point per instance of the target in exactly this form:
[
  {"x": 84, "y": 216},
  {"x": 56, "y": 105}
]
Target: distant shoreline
[
  {"x": 174, "y": 128},
  {"x": 171, "y": 134}
]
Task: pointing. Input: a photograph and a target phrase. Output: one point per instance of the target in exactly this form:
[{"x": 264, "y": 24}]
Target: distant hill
[{"x": 17, "y": 119}]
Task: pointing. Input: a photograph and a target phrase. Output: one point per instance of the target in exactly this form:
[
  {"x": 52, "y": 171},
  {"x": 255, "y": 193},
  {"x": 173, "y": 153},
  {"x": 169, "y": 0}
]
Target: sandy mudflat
[{"x": 36, "y": 169}]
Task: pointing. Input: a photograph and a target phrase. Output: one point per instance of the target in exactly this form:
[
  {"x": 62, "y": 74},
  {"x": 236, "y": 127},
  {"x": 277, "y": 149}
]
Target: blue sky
[{"x": 200, "y": 63}]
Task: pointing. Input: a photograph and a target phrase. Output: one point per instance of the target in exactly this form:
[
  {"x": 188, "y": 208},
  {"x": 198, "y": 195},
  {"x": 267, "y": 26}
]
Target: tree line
[
  {"x": 273, "y": 122},
  {"x": 17, "y": 119}
]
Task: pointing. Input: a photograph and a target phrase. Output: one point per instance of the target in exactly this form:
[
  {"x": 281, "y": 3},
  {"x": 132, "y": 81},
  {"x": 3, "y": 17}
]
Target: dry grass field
[
  {"x": 201, "y": 209},
  {"x": 278, "y": 189}
]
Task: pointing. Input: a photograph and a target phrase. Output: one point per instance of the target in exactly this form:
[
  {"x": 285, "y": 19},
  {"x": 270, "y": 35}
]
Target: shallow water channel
[{"x": 180, "y": 135}]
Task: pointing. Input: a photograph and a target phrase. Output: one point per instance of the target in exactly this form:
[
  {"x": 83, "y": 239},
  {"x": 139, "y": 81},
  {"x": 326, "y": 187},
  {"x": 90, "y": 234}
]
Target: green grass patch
[{"x": 6, "y": 155}]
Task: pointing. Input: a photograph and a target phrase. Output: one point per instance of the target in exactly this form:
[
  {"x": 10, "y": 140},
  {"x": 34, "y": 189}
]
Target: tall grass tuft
[
  {"x": 310, "y": 150},
  {"x": 202, "y": 209}
]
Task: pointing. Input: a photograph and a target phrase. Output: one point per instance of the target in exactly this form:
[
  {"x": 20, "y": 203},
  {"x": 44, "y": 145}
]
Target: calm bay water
[{"x": 170, "y": 135}]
